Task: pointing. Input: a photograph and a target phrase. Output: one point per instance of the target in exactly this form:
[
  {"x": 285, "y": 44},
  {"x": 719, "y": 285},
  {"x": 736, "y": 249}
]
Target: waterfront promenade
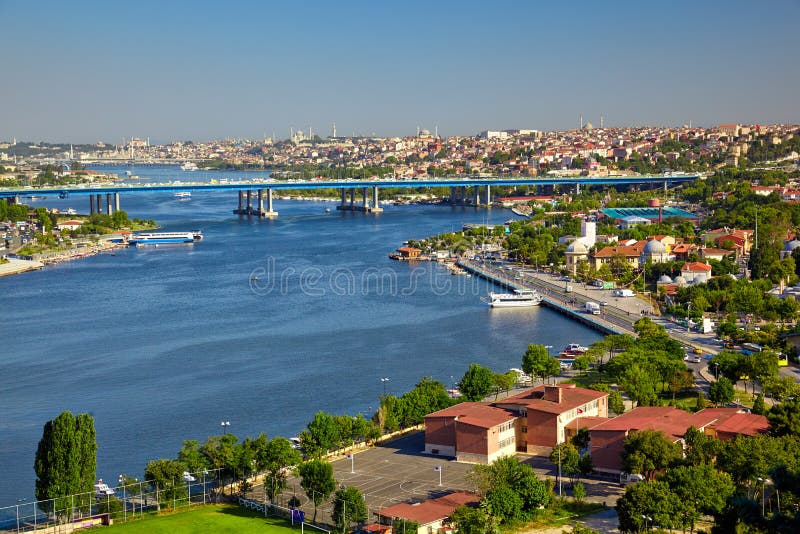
[{"x": 615, "y": 318}]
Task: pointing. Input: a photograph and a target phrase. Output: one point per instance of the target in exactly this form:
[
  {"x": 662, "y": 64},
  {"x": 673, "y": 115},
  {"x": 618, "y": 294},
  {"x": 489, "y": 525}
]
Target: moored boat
[
  {"x": 518, "y": 299},
  {"x": 155, "y": 238}
]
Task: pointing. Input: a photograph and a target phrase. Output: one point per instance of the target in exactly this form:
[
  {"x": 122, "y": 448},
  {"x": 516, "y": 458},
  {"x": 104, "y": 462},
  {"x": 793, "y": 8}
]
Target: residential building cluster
[
  {"x": 538, "y": 419},
  {"x": 585, "y": 151}
]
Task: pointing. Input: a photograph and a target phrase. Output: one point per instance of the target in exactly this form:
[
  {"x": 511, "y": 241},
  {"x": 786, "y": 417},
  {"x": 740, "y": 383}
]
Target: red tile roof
[
  {"x": 671, "y": 421},
  {"x": 609, "y": 252},
  {"x": 427, "y": 512},
  {"x": 571, "y": 398},
  {"x": 476, "y": 414},
  {"x": 696, "y": 266}
]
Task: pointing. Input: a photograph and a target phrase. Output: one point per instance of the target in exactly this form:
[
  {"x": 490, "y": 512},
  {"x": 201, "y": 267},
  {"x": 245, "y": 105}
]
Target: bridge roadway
[
  {"x": 343, "y": 184},
  {"x": 481, "y": 195}
]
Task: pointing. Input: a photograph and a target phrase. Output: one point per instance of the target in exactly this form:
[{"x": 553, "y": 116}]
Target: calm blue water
[{"x": 161, "y": 344}]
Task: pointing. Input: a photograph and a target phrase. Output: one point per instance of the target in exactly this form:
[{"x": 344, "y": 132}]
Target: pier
[{"x": 567, "y": 304}]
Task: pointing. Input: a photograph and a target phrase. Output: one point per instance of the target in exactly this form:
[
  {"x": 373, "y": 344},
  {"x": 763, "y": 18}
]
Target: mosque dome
[
  {"x": 665, "y": 279},
  {"x": 576, "y": 247},
  {"x": 654, "y": 247},
  {"x": 681, "y": 281}
]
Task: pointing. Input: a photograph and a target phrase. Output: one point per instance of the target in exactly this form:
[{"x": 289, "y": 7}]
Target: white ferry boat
[
  {"x": 189, "y": 166},
  {"x": 101, "y": 490},
  {"x": 183, "y": 195},
  {"x": 155, "y": 238},
  {"x": 518, "y": 299}
]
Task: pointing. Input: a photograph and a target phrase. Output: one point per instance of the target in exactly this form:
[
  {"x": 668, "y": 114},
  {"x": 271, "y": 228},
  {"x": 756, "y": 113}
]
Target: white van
[{"x": 622, "y": 293}]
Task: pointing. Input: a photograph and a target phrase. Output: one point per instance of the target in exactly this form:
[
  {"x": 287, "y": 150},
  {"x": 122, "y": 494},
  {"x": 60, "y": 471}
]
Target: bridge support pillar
[
  {"x": 109, "y": 206},
  {"x": 270, "y": 213},
  {"x": 488, "y": 196},
  {"x": 577, "y": 189},
  {"x": 249, "y": 202},
  {"x": 116, "y": 201},
  {"x": 91, "y": 204},
  {"x": 352, "y": 197},
  {"x": 477, "y": 196},
  {"x": 344, "y": 199},
  {"x": 364, "y": 198},
  {"x": 98, "y": 199},
  {"x": 376, "y": 208}
]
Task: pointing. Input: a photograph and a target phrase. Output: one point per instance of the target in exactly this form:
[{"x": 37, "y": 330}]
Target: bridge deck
[{"x": 352, "y": 184}]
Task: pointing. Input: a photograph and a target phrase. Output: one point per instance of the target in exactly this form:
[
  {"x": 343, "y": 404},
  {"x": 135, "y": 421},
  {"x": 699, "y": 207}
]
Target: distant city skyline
[{"x": 90, "y": 71}]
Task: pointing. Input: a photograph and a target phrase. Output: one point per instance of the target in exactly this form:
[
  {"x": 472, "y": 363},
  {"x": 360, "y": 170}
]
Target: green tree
[
  {"x": 579, "y": 491},
  {"x": 721, "y": 391},
  {"x": 470, "y": 520},
  {"x": 276, "y": 458},
  {"x": 166, "y": 479},
  {"x": 191, "y": 455},
  {"x": 348, "y": 507},
  {"x": 568, "y": 456},
  {"x": 65, "y": 464},
  {"x": 615, "y": 402},
  {"x": 538, "y": 362},
  {"x": 648, "y": 451},
  {"x": 652, "y": 500},
  {"x": 702, "y": 489},
  {"x": 220, "y": 453},
  {"x": 476, "y": 383},
  {"x": 504, "y": 504},
  {"x": 316, "y": 479},
  {"x": 503, "y": 382},
  {"x": 700, "y": 448},
  {"x": 784, "y": 418},
  {"x": 322, "y": 435},
  {"x": 759, "y": 407},
  {"x": 404, "y": 525}
]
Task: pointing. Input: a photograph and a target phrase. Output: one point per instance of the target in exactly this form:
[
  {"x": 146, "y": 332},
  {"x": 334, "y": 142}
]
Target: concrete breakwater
[{"x": 566, "y": 303}]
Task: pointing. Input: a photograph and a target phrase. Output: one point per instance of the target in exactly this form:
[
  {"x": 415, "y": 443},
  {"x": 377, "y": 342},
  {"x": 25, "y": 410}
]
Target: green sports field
[{"x": 211, "y": 519}]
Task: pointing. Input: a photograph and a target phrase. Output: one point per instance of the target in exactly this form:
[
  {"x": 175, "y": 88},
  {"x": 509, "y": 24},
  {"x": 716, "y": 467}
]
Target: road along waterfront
[{"x": 161, "y": 344}]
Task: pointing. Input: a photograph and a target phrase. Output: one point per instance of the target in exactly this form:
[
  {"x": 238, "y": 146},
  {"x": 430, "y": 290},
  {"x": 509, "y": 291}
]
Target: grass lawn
[
  {"x": 560, "y": 516},
  {"x": 208, "y": 518}
]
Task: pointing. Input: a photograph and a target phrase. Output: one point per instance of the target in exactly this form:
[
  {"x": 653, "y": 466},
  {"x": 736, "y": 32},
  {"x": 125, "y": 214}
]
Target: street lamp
[
  {"x": 716, "y": 370},
  {"x": 764, "y": 482},
  {"x": 688, "y": 317},
  {"x": 225, "y": 426},
  {"x": 646, "y": 519},
  {"x": 124, "y": 504},
  {"x": 384, "y": 380}
]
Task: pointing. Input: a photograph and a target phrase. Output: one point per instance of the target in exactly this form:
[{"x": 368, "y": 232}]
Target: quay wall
[{"x": 605, "y": 325}]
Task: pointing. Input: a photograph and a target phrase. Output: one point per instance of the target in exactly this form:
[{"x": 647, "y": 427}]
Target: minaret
[
  {"x": 581, "y": 122},
  {"x": 71, "y": 155},
  {"x": 436, "y": 130},
  {"x": 334, "y": 130},
  {"x": 601, "y": 122}
]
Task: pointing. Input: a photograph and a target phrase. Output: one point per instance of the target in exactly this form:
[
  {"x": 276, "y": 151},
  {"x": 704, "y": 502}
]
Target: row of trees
[{"x": 730, "y": 480}]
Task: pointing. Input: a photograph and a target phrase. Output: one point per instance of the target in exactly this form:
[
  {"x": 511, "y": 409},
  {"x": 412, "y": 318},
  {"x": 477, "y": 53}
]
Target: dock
[{"x": 567, "y": 304}]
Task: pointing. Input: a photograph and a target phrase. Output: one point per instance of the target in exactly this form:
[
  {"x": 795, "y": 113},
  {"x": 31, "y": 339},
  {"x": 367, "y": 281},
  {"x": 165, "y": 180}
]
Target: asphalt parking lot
[{"x": 398, "y": 472}]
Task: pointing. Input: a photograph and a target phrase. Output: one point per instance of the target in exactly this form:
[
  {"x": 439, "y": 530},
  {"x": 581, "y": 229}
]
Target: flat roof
[{"x": 648, "y": 213}]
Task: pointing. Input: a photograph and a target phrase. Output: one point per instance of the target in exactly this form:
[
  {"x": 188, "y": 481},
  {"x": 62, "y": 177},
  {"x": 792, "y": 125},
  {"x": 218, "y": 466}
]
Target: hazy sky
[{"x": 84, "y": 71}]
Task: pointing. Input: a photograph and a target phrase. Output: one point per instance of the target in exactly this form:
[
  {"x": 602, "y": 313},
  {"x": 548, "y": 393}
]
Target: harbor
[{"x": 612, "y": 320}]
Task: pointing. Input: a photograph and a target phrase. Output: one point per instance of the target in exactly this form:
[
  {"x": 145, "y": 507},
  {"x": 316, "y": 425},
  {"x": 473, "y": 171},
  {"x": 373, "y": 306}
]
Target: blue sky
[{"x": 84, "y": 71}]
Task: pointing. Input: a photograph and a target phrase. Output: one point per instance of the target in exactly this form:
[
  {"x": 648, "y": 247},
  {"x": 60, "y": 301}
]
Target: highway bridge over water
[{"x": 256, "y": 197}]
